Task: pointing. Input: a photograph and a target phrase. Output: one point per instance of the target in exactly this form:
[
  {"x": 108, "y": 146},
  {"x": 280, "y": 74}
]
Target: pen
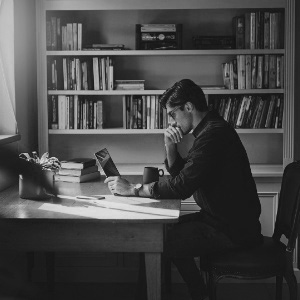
[{"x": 93, "y": 197}]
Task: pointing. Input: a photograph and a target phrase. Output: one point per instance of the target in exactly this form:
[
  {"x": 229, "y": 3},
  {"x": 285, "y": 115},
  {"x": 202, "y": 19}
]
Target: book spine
[
  {"x": 239, "y": 25},
  {"x": 148, "y": 111},
  {"x": 259, "y": 77},
  {"x": 252, "y": 30},
  {"x": 69, "y": 36},
  {"x": 226, "y": 75},
  {"x": 241, "y": 71},
  {"x": 144, "y": 112},
  {"x": 76, "y": 112},
  {"x": 247, "y": 30},
  {"x": 53, "y": 33},
  {"x": 96, "y": 73},
  {"x": 266, "y": 30},
  {"x": 272, "y": 71},
  {"x": 254, "y": 71},
  {"x": 272, "y": 30},
  {"x": 248, "y": 72},
  {"x": 79, "y": 39},
  {"x": 71, "y": 112},
  {"x": 266, "y": 72}
]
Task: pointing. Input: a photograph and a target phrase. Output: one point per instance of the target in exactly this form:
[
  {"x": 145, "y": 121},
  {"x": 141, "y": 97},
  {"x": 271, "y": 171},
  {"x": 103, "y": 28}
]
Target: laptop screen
[{"x": 107, "y": 163}]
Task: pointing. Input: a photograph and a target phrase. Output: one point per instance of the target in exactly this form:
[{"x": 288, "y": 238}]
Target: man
[{"x": 216, "y": 172}]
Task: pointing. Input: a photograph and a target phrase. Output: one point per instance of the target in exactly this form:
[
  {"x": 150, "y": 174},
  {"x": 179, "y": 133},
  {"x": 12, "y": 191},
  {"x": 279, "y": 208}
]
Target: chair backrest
[{"x": 287, "y": 219}]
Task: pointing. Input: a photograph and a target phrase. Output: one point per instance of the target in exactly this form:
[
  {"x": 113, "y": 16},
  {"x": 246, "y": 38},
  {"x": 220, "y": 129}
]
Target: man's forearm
[{"x": 171, "y": 153}]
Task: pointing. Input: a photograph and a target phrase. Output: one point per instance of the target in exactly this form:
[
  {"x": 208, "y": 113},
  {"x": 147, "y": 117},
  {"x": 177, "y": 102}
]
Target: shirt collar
[{"x": 201, "y": 124}]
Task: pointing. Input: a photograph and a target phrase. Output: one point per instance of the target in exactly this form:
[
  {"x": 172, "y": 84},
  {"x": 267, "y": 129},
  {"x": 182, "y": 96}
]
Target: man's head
[{"x": 185, "y": 103}]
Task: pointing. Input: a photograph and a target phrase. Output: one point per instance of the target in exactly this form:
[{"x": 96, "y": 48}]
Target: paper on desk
[{"x": 113, "y": 209}]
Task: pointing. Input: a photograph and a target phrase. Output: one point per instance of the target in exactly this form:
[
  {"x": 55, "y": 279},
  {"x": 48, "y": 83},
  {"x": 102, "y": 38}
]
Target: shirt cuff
[{"x": 153, "y": 190}]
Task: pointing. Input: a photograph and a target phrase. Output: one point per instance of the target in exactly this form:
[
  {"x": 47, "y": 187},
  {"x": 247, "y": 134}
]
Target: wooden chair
[{"x": 273, "y": 258}]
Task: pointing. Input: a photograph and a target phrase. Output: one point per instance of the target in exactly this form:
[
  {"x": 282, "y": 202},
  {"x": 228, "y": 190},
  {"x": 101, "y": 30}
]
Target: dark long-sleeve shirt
[{"x": 217, "y": 173}]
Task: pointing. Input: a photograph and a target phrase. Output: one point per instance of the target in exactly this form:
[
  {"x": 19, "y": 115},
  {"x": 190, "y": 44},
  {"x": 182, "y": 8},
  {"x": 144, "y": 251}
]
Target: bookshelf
[{"x": 114, "y": 22}]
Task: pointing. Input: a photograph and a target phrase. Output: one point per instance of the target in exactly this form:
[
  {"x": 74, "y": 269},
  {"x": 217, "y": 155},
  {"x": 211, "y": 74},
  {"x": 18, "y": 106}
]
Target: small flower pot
[{"x": 36, "y": 183}]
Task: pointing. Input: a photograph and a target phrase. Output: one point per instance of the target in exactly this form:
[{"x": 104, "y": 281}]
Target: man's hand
[
  {"x": 120, "y": 186},
  {"x": 173, "y": 135}
]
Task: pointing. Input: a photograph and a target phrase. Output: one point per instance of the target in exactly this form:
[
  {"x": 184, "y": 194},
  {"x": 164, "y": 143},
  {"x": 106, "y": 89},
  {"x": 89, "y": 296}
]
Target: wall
[
  {"x": 25, "y": 70},
  {"x": 297, "y": 87},
  {"x": 26, "y": 95}
]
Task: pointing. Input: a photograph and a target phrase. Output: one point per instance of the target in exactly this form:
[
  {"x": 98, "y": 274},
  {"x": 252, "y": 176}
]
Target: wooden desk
[{"x": 30, "y": 225}]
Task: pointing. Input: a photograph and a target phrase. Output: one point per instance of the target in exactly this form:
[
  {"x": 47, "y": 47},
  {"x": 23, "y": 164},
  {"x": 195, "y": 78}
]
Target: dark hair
[{"x": 182, "y": 92}]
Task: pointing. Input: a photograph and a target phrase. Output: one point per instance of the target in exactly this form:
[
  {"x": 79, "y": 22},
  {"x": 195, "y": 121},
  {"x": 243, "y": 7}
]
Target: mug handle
[{"x": 161, "y": 172}]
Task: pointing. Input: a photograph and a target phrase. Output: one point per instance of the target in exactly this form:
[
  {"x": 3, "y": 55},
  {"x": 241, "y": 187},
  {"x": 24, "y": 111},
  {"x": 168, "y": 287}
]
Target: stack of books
[
  {"x": 130, "y": 84},
  {"x": 78, "y": 170}
]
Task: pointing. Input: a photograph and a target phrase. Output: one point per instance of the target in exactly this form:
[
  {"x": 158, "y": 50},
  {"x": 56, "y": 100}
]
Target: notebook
[{"x": 106, "y": 163}]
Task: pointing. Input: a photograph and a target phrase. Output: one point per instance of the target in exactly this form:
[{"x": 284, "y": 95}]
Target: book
[
  {"x": 78, "y": 163},
  {"x": 107, "y": 46},
  {"x": 158, "y": 27},
  {"x": 266, "y": 30},
  {"x": 247, "y": 30},
  {"x": 77, "y": 172},
  {"x": 270, "y": 112},
  {"x": 266, "y": 72},
  {"x": 252, "y": 30},
  {"x": 81, "y": 178},
  {"x": 226, "y": 75},
  {"x": 259, "y": 75},
  {"x": 272, "y": 71},
  {"x": 248, "y": 72},
  {"x": 241, "y": 64},
  {"x": 253, "y": 71},
  {"x": 239, "y": 30}
]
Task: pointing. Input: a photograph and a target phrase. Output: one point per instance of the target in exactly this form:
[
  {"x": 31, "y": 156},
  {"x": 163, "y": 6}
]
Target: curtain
[{"x": 8, "y": 123}]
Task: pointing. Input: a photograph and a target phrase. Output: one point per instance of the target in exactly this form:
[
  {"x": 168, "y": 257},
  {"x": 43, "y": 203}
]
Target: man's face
[{"x": 181, "y": 117}]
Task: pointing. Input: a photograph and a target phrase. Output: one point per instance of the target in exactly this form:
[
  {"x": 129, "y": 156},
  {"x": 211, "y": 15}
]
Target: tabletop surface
[{"x": 65, "y": 206}]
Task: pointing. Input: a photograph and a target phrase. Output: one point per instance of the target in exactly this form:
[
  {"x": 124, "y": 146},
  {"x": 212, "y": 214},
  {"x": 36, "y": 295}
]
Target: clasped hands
[{"x": 173, "y": 135}]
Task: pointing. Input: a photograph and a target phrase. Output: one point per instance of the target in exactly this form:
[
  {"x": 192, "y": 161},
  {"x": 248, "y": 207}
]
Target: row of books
[
  {"x": 145, "y": 112},
  {"x": 74, "y": 112},
  {"x": 246, "y": 111},
  {"x": 63, "y": 36},
  {"x": 259, "y": 30},
  {"x": 254, "y": 72},
  {"x": 96, "y": 73},
  {"x": 77, "y": 170}
]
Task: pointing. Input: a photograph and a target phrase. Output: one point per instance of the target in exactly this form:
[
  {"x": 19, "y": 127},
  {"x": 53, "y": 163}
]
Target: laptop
[{"x": 106, "y": 163}]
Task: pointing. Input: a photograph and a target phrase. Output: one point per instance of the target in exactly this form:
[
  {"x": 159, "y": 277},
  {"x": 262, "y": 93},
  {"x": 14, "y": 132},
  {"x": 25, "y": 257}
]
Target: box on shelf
[{"x": 158, "y": 36}]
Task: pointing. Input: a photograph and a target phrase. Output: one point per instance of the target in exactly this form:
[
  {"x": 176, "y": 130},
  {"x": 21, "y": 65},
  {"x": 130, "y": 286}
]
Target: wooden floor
[{"x": 100, "y": 291}]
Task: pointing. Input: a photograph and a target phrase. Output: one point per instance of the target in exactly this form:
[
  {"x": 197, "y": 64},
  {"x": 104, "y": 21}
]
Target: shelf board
[
  {"x": 164, "y": 52},
  {"x": 175, "y": 4},
  {"x": 151, "y": 131},
  {"x": 207, "y": 91},
  {"x": 9, "y": 138},
  {"x": 108, "y": 92}
]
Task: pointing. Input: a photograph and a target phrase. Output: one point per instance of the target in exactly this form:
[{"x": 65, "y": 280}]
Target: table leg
[
  {"x": 50, "y": 269},
  {"x": 153, "y": 275}
]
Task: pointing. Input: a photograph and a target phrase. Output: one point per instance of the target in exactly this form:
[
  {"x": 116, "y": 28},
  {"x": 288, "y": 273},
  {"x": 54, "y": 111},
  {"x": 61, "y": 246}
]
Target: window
[{"x": 8, "y": 124}]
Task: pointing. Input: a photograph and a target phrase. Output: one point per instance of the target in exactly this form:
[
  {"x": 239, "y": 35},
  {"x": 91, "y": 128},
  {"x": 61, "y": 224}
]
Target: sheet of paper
[
  {"x": 113, "y": 207},
  {"x": 108, "y": 213}
]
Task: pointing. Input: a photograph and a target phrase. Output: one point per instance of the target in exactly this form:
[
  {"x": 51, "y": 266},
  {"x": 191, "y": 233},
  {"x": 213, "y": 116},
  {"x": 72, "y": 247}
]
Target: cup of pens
[{"x": 36, "y": 176}]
